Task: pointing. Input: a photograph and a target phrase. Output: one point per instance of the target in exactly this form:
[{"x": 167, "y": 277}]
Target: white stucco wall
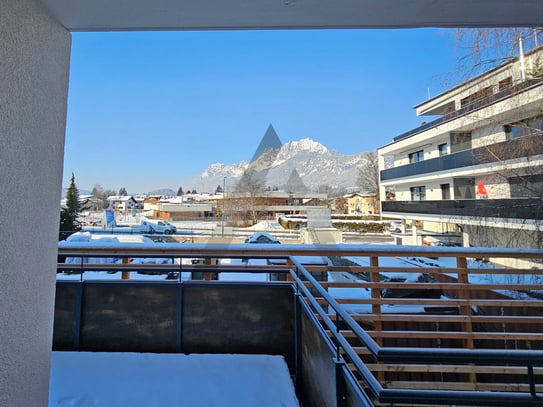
[{"x": 34, "y": 67}]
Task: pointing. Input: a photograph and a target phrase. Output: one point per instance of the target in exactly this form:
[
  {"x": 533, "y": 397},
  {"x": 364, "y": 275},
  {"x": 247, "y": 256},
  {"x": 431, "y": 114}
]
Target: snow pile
[
  {"x": 146, "y": 379},
  {"x": 264, "y": 225}
]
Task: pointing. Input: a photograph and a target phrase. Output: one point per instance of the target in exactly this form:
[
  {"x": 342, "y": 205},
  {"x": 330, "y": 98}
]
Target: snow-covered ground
[{"x": 96, "y": 379}]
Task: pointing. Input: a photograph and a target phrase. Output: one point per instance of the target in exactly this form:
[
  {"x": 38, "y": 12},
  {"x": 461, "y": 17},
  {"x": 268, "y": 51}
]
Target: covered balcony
[
  {"x": 522, "y": 209},
  {"x": 495, "y": 154},
  {"x": 378, "y": 325}
]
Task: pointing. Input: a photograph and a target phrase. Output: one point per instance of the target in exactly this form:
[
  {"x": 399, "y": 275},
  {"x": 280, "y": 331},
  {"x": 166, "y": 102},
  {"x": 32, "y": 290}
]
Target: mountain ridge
[{"x": 311, "y": 162}]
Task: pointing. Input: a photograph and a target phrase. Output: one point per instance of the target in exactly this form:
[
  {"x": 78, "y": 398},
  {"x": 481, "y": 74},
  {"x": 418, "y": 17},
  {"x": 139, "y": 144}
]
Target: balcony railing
[
  {"x": 474, "y": 208},
  {"x": 479, "y": 104},
  {"x": 496, "y": 153},
  {"x": 439, "y": 329}
]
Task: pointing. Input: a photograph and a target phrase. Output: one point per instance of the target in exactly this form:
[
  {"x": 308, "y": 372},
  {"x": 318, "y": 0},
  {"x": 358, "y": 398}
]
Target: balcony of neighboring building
[
  {"x": 500, "y": 84},
  {"x": 492, "y": 157},
  {"x": 512, "y": 209}
]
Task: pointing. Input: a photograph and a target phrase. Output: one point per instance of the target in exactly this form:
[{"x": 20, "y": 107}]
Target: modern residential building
[{"x": 477, "y": 169}]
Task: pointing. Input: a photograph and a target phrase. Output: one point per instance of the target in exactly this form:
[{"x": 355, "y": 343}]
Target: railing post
[
  {"x": 126, "y": 274},
  {"x": 375, "y": 278},
  {"x": 297, "y": 338},
  {"x": 341, "y": 391},
  {"x": 376, "y": 296},
  {"x": 179, "y": 315},
  {"x": 465, "y": 308}
]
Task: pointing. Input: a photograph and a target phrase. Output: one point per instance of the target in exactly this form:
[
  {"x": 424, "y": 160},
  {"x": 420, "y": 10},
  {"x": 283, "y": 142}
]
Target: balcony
[
  {"x": 493, "y": 154},
  {"x": 477, "y": 105},
  {"x": 478, "y": 208},
  {"x": 441, "y": 329}
]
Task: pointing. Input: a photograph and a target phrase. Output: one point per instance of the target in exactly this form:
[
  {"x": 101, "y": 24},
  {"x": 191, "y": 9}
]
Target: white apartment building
[{"x": 477, "y": 170}]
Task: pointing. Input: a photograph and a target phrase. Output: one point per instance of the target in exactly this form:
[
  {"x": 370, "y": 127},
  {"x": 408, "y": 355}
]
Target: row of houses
[
  {"x": 239, "y": 206},
  {"x": 477, "y": 170}
]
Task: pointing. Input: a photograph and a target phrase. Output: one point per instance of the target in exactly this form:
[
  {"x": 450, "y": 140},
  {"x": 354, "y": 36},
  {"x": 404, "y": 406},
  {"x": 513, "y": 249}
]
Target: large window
[
  {"x": 505, "y": 83},
  {"x": 528, "y": 186},
  {"x": 416, "y": 156},
  {"x": 525, "y": 128},
  {"x": 418, "y": 193},
  {"x": 460, "y": 142},
  {"x": 476, "y": 97},
  {"x": 464, "y": 188}
]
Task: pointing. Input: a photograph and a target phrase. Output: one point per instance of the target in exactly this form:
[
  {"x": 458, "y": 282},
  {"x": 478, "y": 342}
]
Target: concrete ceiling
[{"x": 107, "y": 15}]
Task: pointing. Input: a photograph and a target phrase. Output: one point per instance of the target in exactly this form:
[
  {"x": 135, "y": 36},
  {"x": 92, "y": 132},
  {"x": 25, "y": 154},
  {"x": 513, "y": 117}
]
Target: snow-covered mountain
[{"x": 284, "y": 167}]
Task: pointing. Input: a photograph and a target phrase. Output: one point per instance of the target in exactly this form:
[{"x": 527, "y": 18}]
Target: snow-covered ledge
[{"x": 148, "y": 379}]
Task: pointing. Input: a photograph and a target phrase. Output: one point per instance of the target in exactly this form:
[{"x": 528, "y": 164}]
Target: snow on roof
[
  {"x": 146, "y": 379},
  {"x": 266, "y": 225},
  {"x": 261, "y": 237},
  {"x": 120, "y": 198}
]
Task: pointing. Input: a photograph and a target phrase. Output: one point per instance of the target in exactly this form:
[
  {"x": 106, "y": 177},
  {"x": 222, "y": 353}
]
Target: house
[
  {"x": 477, "y": 170},
  {"x": 356, "y": 204},
  {"x": 122, "y": 203},
  {"x": 245, "y": 208}
]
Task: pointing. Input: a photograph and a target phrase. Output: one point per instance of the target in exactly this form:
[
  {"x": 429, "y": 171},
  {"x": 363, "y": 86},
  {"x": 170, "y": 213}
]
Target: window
[
  {"x": 418, "y": 193},
  {"x": 445, "y": 191},
  {"x": 524, "y": 128},
  {"x": 480, "y": 95},
  {"x": 460, "y": 142},
  {"x": 528, "y": 186},
  {"x": 505, "y": 83},
  {"x": 416, "y": 156},
  {"x": 443, "y": 150},
  {"x": 464, "y": 188}
]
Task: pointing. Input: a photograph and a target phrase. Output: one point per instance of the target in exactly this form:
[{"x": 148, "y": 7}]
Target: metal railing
[
  {"x": 486, "y": 342},
  {"x": 514, "y": 208},
  {"x": 497, "y": 154},
  {"x": 479, "y": 104}
]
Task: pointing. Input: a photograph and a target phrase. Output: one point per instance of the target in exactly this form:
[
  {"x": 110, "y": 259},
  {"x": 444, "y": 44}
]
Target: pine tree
[
  {"x": 122, "y": 192},
  {"x": 72, "y": 199},
  {"x": 68, "y": 215},
  {"x": 180, "y": 191},
  {"x": 218, "y": 190}
]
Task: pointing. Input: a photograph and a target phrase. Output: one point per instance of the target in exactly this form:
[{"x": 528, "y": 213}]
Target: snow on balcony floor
[{"x": 147, "y": 379}]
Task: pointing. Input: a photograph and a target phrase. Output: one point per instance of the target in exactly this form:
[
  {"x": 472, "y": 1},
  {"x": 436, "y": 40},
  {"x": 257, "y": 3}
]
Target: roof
[
  {"x": 115, "y": 15},
  {"x": 120, "y": 198},
  {"x": 261, "y": 237}
]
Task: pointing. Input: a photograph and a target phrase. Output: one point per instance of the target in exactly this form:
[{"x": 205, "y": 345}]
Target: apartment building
[{"x": 477, "y": 169}]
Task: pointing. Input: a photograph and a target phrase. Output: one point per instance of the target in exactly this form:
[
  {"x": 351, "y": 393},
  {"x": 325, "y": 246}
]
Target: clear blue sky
[{"x": 149, "y": 110}]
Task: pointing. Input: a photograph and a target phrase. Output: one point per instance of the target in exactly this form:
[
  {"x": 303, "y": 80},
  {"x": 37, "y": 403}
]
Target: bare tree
[
  {"x": 480, "y": 49},
  {"x": 368, "y": 178},
  {"x": 246, "y": 192}
]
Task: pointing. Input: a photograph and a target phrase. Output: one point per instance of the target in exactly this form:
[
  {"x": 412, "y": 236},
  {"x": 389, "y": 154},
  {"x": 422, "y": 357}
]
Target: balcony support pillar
[{"x": 35, "y": 55}]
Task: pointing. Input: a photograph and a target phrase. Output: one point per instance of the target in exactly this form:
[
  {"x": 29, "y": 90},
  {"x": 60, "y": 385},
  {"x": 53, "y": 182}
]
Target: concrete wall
[{"x": 34, "y": 66}]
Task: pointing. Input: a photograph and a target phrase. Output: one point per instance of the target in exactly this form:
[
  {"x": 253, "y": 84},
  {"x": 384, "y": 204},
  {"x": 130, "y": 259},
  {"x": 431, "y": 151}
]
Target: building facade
[
  {"x": 356, "y": 204},
  {"x": 477, "y": 170}
]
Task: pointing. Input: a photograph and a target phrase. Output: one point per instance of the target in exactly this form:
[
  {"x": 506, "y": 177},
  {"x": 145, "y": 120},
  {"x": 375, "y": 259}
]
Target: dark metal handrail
[{"x": 443, "y": 355}]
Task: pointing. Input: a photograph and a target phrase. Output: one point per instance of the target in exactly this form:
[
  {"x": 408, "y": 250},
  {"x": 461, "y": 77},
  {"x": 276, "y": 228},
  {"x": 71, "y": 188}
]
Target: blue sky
[{"x": 149, "y": 110}]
